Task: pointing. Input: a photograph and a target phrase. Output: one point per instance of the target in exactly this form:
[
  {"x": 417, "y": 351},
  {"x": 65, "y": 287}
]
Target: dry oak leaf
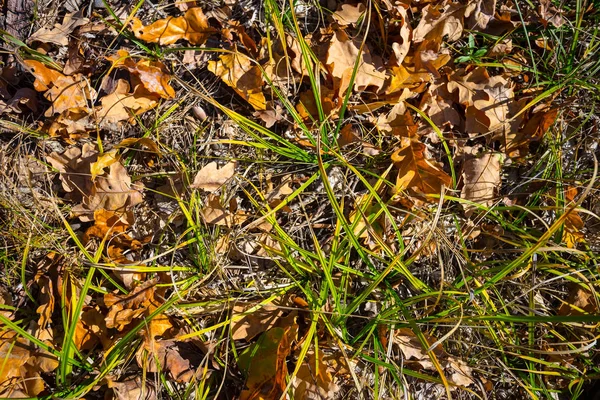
[
  {"x": 401, "y": 46},
  {"x": 152, "y": 74},
  {"x": 108, "y": 224},
  {"x": 579, "y": 302},
  {"x": 121, "y": 105},
  {"x": 20, "y": 374},
  {"x": 397, "y": 122},
  {"x": 59, "y": 33},
  {"x": 133, "y": 389},
  {"x": 481, "y": 179},
  {"x": 516, "y": 142},
  {"x": 176, "y": 357},
  {"x": 242, "y": 75},
  {"x": 123, "y": 309},
  {"x": 112, "y": 191},
  {"x": 342, "y": 56},
  {"x": 264, "y": 364},
  {"x": 573, "y": 224},
  {"x": 72, "y": 124},
  {"x": 349, "y": 14},
  {"x": 90, "y": 329},
  {"x": 442, "y": 19},
  {"x": 23, "y": 97},
  {"x": 211, "y": 177},
  {"x": 416, "y": 173},
  {"x": 308, "y": 109},
  {"x": 285, "y": 62},
  {"x": 313, "y": 380},
  {"x": 65, "y": 92},
  {"x": 215, "y": 213},
  {"x": 489, "y": 101},
  {"x": 246, "y": 326},
  {"x": 193, "y": 26}
]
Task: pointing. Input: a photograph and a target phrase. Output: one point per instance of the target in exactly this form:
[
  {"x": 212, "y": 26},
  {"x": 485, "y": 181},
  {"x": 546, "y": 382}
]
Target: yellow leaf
[
  {"x": 240, "y": 73},
  {"x": 103, "y": 161}
]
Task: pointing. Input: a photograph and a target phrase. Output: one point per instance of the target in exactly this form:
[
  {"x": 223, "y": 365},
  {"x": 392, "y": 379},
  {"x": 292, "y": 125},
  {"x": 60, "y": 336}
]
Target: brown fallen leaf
[
  {"x": 63, "y": 91},
  {"x": 211, "y": 177},
  {"x": 342, "y": 56},
  {"x": 579, "y": 302},
  {"x": 313, "y": 380},
  {"x": 442, "y": 20},
  {"x": 437, "y": 102},
  {"x": 397, "y": 122},
  {"x": 123, "y": 105},
  {"x": 19, "y": 376},
  {"x": 242, "y": 75},
  {"x": 193, "y": 26},
  {"x": 349, "y": 14},
  {"x": 112, "y": 191},
  {"x": 264, "y": 364},
  {"x": 481, "y": 179},
  {"x": 90, "y": 329},
  {"x": 308, "y": 109},
  {"x": 246, "y": 327},
  {"x": 402, "y": 42},
  {"x": 515, "y": 143},
  {"x": 215, "y": 213},
  {"x": 59, "y": 33},
  {"x": 152, "y": 74},
  {"x": 417, "y": 173},
  {"x": 22, "y": 97},
  {"x": 133, "y": 389},
  {"x": 123, "y": 309},
  {"x": 460, "y": 374}
]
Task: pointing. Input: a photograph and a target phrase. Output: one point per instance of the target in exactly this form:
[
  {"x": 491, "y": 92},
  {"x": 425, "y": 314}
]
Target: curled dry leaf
[
  {"x": 152, "y": 74},
  {"x": 211, "y": 177},
  {"x": 416, "y": 173},
  {"x": 59, "y": 33},
  {"x": 242, "y": 75},
  {"x": 65, "y": 92},
  {"x": 22, "y": 97},
  {"x": 193, "y": 26},
  {"x": 90, "y": 329},
  {"x": 481, "y": 179}
]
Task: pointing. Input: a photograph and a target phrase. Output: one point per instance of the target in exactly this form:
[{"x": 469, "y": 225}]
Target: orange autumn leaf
[
  {"x": 152, "y": 74},
  {"x": 65, "y": 92},
  {"x": 240, "y": 73},
  {"x": 417, "y": 173},
  {"x": 192, "y": 26}
]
